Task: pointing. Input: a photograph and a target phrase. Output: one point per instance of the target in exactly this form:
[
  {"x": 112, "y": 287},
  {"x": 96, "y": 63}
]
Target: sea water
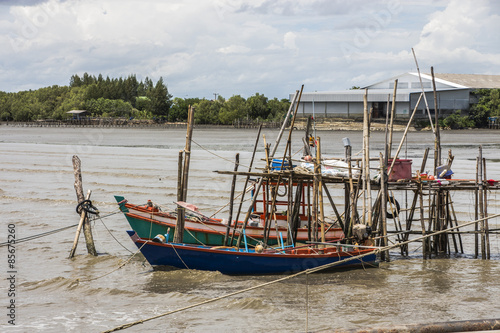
[{"x": 52, "y": 293}]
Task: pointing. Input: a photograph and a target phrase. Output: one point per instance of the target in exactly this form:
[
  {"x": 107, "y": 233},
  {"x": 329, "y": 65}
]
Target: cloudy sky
[{"x": 242, "y": 47}]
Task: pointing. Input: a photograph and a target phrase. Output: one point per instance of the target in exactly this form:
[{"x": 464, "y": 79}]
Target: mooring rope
[
  {"x": 43, "y": 234},
  {"x": 210, "y": 152},
  {"x": 109, "y": 231}
]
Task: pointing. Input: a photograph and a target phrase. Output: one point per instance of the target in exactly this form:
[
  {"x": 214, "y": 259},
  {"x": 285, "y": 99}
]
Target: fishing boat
[
  {"x": 249, "y": 261},
  {"x": 148, "y": 220}
]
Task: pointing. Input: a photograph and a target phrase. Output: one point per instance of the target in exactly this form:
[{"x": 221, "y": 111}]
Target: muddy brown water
[{"x": 54, "y": 294}]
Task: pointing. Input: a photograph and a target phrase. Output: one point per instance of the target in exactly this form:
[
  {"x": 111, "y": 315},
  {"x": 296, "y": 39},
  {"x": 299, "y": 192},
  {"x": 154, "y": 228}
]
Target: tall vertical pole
[
  {"x": 179, "y": 229},
  {"x": 481, "y": 202},
  {"x": 87, "y": 229},
  {"x": 231, "y": 199},
  {"x": 383, "y": 205},
  {"x": 180, "y": 210},
  {"x": 437, "y": 138},
  {"x": 320, "y": 192},
  {"x": 393, "y": 113},
  {"x": 423, "y": 92}
]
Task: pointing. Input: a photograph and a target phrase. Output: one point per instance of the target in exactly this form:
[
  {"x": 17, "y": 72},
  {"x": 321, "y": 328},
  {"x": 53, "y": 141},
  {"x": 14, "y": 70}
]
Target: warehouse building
[{"x": 454, "y": 92}]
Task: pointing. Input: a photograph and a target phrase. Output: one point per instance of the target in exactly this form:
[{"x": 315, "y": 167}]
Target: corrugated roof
[
  {"x": 472, "y": 80},
  {"x": 356, "y": 95}
]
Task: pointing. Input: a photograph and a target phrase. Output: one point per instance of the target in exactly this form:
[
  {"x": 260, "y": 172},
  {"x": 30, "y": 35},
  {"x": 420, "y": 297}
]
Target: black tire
[{"x": 395, "y": 204}]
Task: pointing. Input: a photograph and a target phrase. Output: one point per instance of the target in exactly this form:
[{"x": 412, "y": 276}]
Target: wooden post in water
[
  {"x": 476, "y": 211},
  {"x": 87, "y": 228},
  {"x": 179, "y": 228},
  {"x": 83, "y": 217},
  {"x": 320, "y": 192},
  {"x": 481, "y": 202},
  {"x": 486, "y": 225},
  {"x": 180, "y": 210},
  {"x": 384, "y": 255},
  {"x": 231, "y": 199}
]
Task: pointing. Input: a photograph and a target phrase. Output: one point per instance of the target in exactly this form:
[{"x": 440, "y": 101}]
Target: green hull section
[{"x": 146, "y": 229}]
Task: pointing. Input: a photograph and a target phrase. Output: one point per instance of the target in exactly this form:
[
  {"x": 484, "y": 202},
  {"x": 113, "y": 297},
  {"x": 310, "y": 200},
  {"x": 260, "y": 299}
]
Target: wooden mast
[{"x": 182, "y": 192}]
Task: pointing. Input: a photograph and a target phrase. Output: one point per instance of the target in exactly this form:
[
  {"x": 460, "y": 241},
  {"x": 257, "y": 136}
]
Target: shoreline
[{"x": 323, "y": 125}]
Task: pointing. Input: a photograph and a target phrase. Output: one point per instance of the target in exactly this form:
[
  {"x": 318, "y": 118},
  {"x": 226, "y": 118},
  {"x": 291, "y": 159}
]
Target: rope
[
  {"x": 25, "y": 239},
  {"x": 223, "y": 158},
  {"x": 173, "y": 247},
  {"x": 109, "y": 231}
]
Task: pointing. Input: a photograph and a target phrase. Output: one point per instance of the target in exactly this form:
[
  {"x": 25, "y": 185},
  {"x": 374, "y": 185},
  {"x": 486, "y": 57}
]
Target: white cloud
[
  {"x": 233, "y": 49},
  {"x": 459, "y": 34},
  {"x": 243, "y": 46},
  {"x": 289, "y": 40}
]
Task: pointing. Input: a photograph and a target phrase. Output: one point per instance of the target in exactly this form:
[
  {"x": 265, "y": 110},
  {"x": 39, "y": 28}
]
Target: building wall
[
  {"x": 349, "y": 103},
  {"x": 448, "y": 101},
  {"x": 347, "y": 109}
]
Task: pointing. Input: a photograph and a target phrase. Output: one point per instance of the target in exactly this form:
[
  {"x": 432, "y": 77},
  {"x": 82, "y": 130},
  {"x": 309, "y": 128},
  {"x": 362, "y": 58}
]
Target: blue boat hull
[{"x": 231, "y": 261}]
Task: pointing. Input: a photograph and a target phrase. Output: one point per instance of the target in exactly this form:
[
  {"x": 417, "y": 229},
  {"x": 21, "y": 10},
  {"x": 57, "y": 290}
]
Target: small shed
[{"x": 77, "y": 114}]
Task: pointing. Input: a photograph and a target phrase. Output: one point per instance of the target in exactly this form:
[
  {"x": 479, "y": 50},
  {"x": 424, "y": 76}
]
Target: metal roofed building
[{"x": 454, "y": 92}]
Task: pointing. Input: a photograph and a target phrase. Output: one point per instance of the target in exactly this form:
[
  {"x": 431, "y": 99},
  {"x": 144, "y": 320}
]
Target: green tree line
[{"x": 131, "y": 98}]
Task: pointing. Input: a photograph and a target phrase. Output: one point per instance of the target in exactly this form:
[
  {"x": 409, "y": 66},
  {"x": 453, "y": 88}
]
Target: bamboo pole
[
  {"x": 179, "y": 229},
  {"x": 83, "y": 217},
  {"x": 404, "y": 135},
  {"x": 87, "y": 228},
  {"x": 320, "y": 192},
  {"x": 449, "y": 219},
  {"x": 384, "y": 256},
  {"x": 259, "y": 184},
  {"x": 337, "y": 214},
  {"x": 455, "y": 220},
  {"x": 290, "y": 109},
  {"x": 437, "y": 137},
  {"x": 187, "y": 159},
  {"x": 289, "y": 211},
  {"x": 423, "y": 92},
  {"x": 248, "y": 178},
  {"x": 368, "y": 176},
  {"x": 481, "y": 202},
  {"x": 486, "y": 226},
  {"x": 315, "y": 212},
  {"x": 180, "y": 210},
  {"x": 366, "y": 170},
  {"x": 476, "y": 211},
  {"x": 416, "y": 195},
  {"x": 231, "y": 199},
  {"x": 393, "y": 112}
]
